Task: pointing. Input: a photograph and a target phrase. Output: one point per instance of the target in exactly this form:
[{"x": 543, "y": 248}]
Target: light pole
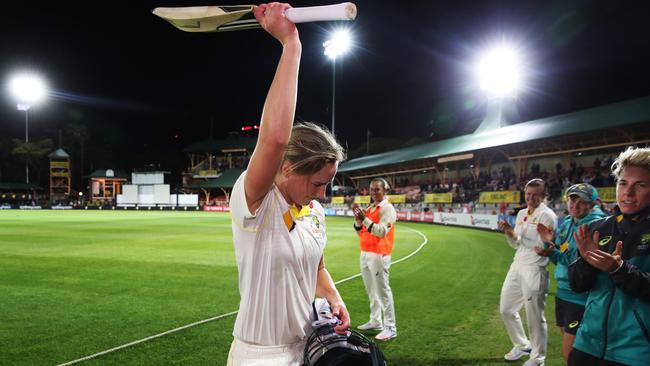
[
  {"x": 336, "y": 46},
  {"x": 28, "y": 89}
]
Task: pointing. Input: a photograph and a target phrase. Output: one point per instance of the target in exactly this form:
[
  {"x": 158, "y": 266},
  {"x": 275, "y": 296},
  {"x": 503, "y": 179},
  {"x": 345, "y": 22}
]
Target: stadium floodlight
[
  {"x": 334, "y": 47},
  {"x": 28, "y": 89},
  {"x": 499, "y": 72},
  {"x": 338, "y": 44}
]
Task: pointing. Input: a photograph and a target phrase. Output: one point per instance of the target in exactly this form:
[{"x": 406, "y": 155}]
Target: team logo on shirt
[
  {"x": 315, "y": 227},
  {"x": 316, "y": 221}
]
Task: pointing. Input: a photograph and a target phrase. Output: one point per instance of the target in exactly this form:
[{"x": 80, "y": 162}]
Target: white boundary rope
[{"x": 426, "y": 240}]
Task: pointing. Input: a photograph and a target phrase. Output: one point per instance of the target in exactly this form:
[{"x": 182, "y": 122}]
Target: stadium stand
[{"x": 563, "y": 149}]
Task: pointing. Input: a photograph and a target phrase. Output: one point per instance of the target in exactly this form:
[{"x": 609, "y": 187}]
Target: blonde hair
[
  {"x": 633, "y": 156},
  {"x": 311, "y": 147}
]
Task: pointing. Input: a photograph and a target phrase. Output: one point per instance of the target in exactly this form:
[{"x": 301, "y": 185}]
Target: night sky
[{"x": 146, "y": 90}]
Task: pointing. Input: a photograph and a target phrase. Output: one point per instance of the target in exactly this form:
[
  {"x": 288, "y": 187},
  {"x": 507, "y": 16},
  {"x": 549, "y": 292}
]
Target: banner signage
[
  {"x": 457, "y": 219},
  {"x": 362, "y": 199},
  {"x": 499, "y": 196},
  {"x": 216, "y": 208},
  {"x": 437, "y": 197},
  {"x": 607, "y": 194},
  {"x": 396, "y": 198}
]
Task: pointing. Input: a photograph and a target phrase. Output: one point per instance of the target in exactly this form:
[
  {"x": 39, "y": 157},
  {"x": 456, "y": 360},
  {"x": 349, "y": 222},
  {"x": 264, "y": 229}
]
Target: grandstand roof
[
  {"x": 603, "y": 117},
  {"x": 218, "y": 146},
  {"x": 226, "y": 180}
]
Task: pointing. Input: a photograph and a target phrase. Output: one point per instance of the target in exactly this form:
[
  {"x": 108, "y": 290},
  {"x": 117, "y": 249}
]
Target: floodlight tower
[
  {"x": 336, "y": 46},
  {"x": 499, "y": 73},
  {"x": 28, "y": 90}
]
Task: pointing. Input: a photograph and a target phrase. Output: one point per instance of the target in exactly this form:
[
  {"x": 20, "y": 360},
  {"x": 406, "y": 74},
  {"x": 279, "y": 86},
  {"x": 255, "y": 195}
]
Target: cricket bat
[{"x": 238, "y": 17}]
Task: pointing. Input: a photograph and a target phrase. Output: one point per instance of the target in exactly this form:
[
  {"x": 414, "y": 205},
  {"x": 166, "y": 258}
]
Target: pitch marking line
[{"x": 424, "y": 242}]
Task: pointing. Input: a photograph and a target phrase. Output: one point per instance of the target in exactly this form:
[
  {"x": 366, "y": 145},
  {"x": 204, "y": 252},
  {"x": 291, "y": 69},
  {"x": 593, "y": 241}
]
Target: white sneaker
[
  {"x": 532, "y": 362},
  {"x": 386, "y": 334},
  {"x": 370, "y": 326},
  {"x": 516, "y": 353}
]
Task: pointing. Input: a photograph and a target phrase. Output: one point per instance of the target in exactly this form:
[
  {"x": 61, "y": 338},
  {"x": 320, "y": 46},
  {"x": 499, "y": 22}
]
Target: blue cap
[{"x": 585, "y": 191}]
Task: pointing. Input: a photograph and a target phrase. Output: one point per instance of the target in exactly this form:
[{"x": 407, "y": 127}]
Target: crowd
[{"x": 466, "y": 190}]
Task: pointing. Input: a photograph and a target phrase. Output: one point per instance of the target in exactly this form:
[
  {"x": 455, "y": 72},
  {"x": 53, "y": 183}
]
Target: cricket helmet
[{"x": 325, "y": 347}]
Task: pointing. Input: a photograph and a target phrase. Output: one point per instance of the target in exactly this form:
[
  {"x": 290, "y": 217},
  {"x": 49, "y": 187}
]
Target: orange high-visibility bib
[{"x": 374, "y": 244}]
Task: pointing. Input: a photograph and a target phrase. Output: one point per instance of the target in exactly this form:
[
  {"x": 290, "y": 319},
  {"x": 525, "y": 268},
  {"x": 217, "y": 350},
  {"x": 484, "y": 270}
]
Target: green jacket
[
  {"x": 616, "y": 323},
  {"x": 566, "y": 252}
]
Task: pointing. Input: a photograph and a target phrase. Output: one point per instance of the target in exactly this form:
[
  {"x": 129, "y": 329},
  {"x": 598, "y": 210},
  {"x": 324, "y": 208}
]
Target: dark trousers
[{"x": 579, "y": 358}]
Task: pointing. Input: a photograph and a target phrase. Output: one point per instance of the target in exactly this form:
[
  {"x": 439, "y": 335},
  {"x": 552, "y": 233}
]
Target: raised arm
[{"x": 279, "y": 106}]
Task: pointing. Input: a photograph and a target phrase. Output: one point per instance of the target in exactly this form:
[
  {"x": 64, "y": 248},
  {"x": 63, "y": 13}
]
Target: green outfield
[{"x": 76, "y": 283}]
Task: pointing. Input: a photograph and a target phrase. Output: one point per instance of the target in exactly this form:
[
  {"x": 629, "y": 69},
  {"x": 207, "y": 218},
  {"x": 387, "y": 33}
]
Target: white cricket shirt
[
  {"x": 278, "y": 267},
  {"x": 527, "y": 236}
]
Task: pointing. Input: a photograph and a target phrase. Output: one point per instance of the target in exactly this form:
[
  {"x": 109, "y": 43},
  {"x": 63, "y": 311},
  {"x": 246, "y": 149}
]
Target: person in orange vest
[{"x": 376, "y": 229}]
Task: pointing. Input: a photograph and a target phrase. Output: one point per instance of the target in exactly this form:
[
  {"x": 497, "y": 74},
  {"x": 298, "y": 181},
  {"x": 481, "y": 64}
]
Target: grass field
[{"x": 76, "y": 283}]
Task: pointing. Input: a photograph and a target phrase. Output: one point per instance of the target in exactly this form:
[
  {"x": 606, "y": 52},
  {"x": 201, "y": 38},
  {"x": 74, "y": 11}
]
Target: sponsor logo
[
  {"x": 477, "y": 221},
  {"x": 316, "y": 221},
  {"x": 574, "y": 324},
  {"x": 645, "y": 238},
  {"x": 605, "y": 240},
  {"x": 448, "y": 219}
]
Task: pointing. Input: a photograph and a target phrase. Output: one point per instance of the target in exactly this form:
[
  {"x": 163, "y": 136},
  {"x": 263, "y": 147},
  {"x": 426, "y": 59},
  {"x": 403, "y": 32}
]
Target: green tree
[{"x": 33, "y": 152}]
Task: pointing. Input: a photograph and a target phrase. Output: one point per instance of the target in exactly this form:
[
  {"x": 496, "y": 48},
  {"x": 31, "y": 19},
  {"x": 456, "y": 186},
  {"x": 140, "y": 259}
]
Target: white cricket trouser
[
  {"x": 526, "y": 286},
  {"x": 246, "y": 354},
  {"x": 374, "y": 271}
]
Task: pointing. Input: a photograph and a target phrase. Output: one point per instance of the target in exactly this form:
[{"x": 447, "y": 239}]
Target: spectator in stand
[
  {"x": 579, "y": 171},
  {"x": 278, "y": 227},
  {"x": 562, "y": 250},
  {"x": 613, "y": 267},
  {"x": 526, "y": 284},
  {"x": 597, "y": 165},
  {"x": 376, "y": 229},
  {"x": 603, "y": 207},
  {"x": 503, "y": 207}
]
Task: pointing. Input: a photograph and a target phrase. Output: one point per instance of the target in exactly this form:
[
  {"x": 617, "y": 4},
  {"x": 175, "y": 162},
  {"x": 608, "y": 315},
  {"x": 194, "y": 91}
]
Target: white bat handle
[{"x": 343, "y": 11}]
